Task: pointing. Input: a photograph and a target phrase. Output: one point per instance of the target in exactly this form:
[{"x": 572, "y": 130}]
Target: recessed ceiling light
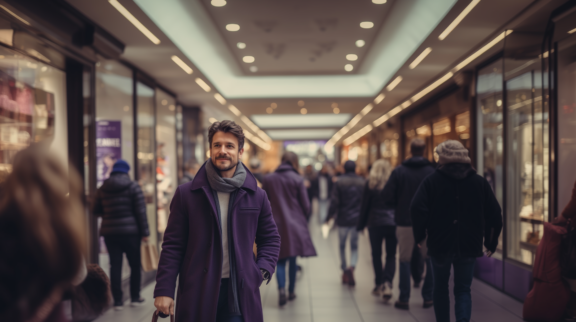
[
  {"x": 273, "y": 105},
  {"x": 164, "y": 102},
  {"x": 458, "y": 19},
  {"x": 241, "y": 45},
  {"x": 300, "y": 103},
  {"x": 269, "y": 110},
  {"x": 379, "y": 1},
  {"x": 220, "y": 99},
  {"x": 352, "y": 57},
  {"x": 360, "y": 43},
  {"x": 253, "y": 69},
  {"x": 203, "y": 84},
  {"x": 420, "y": 58},
  {"x": 303, "y": 110},
  {"x": 212, "y": 120},
  {"x": 182, "y": 64},
  {"x": 232, "y": 27},
  {"x": 394, "y": 83},
  {"x": 172, "y": 107},
  {"x": 218, "y": 3},
  {"x": 135, "y": 21},
  {"x": 348, "y": 67},
  {"x": 364, "y": 24},
  {"x": 334, "y": 105},
  {"x": 248, "y": 59},
  {"x": 336, "y": 110}
]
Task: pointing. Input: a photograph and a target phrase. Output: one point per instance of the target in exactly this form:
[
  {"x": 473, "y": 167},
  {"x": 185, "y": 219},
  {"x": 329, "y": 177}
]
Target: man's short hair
[
  {"x": 227, "y": 126},
  {"x": 417, "y": 147}
]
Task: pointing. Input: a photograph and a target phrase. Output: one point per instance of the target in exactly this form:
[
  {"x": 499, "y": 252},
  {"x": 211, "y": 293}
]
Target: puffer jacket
[
  {"x": 346, "y": 200},
  {"x": 374, "y": 212},
  {"x": 121, "y": 204}
]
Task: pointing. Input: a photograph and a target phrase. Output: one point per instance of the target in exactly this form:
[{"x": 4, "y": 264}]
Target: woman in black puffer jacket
[{"x": 381, "y": 226}]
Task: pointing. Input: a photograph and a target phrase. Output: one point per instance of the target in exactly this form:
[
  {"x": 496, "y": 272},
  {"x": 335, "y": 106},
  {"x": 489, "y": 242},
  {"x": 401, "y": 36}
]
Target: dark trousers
[
  {"x": 377, "y": 236},
  {"x": 417, "y": 265},
  {"x": 222, "y": 314},
  {"x": 281, "y": 273},
  {"x": 118, "y": 245},
  {"x": 463, "y": 273}
]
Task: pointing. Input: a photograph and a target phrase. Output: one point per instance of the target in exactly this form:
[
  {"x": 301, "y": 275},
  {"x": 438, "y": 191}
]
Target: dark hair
[
  {"x": 350, "y": 166},
  {"x": 417, "y": 147},
  {"x": 291, "y": 158},
  {"x": 227, "y": 126}
]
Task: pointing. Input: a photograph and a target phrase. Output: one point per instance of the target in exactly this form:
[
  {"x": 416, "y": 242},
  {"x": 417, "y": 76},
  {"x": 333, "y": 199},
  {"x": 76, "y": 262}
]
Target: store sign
[{"x": 108, "y": 147}]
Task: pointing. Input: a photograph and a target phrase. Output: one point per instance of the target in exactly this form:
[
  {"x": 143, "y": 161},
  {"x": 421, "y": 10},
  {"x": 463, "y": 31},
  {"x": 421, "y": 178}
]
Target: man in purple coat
[{"x": 213, "y": 224}]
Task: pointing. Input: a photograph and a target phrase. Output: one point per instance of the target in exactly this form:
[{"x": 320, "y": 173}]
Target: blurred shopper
[
  {"x": 208, "y": 245},
  {"x": 397, "y": 194},
  {"x": 255, "y": 166},
  {"x": 309, "y": 179},
  {"x": 458, "y": 211},
  {"x": 42, "y": 237},
  {"x": 191, "y": 168},
  {"x": 323, "y": 188},
  {"x": 121, "y": 204},
  {"x": 291, "y": 209},
  {"x": 568, "y": 218},
  {"x": 345, "y": 205},
  {"x": 381, "y": 227}
]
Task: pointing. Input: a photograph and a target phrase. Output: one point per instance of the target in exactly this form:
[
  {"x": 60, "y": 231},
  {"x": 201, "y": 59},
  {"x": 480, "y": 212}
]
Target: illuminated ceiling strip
[
  {"x": 13, "y": 14},
  {"x": 234, "y": 110},
  {"x": 220, "y": 99},
  {"x": 572, "y": 31},
  {"x": 458, "y": 19},
  {"x": 135, "y": 21},
  {"x": 255, "y": 128},
  {"x": 256, "y": 140},
  {"x": 182, "y": 64},
  {"x": 366, "y": 109},
  {"x": 481, "y": 51},
  {"x": 394, "y": 83},
  {"x": 212, "y": 120},
  {"x": 358, "y": 134},
  {"x": 420, "y": 58},
  {"x": 379, "y": 98},
  {"x": 203, "y": 84}
]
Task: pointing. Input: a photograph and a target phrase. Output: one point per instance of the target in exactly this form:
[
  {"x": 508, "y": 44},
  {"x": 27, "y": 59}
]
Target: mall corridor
[{"x": 321, "y": 297}]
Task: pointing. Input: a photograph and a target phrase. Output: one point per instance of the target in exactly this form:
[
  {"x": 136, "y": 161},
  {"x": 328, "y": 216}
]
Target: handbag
[
  {"x": 155, "y": 317},
  {"x": 149, "y": 257}
]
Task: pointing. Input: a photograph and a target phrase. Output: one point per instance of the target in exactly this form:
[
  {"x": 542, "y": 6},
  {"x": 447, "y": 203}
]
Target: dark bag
[
  {"x": 155, "y": 316},
  {"x": 91, "y": 298},
  {"x": 568, "y": 254}
]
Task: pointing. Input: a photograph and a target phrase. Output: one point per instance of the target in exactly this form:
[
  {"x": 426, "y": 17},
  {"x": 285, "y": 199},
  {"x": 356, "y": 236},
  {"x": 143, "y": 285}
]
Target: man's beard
[{"x": 232, "y": 165}]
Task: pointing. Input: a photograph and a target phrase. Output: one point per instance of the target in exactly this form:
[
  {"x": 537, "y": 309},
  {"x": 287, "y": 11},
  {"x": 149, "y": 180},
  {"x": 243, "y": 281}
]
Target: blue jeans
[
  {"x": 281, "y": 273},
  {"x": 405, "y": 286},
  {"x": 343, "y": 233},
  {"x": 463, "y": 273}
]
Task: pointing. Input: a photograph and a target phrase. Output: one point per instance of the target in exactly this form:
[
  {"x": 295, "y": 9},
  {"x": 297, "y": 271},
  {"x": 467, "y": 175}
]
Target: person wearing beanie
[
  {"x": 397, "y": 195},
  {"x": 120, "y": 203},
  {"x": 456, "y": 212},
  {"x": 345, "y": 204}
]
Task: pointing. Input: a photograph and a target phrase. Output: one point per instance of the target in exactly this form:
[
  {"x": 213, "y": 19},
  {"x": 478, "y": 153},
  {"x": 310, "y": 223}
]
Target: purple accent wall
[
  {"x": 517, "y": 281},
  {"x": 490, "y": 270}
]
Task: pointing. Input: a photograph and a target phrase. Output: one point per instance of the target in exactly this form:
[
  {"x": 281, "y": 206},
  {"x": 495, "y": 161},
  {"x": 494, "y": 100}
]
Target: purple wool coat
[
  {"x": 291, "y": 209},
  {"x": 192, "y": 249}
]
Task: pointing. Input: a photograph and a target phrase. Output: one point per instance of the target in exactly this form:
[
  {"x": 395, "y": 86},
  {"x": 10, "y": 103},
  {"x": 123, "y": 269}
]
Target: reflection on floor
[{"x": 322, "y": 298}]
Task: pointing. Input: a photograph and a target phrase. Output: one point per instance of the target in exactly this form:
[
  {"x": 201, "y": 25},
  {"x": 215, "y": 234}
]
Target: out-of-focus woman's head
[
  {"x": 379, "y": 174},
  {"x": 42, "y": 234}
]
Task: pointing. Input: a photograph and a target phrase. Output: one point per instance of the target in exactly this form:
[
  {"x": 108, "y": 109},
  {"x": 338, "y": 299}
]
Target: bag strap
[{"x": 155, "y": 317}]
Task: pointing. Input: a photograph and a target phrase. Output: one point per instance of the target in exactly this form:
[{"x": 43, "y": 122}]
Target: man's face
[{"x": 224, "y": 151}]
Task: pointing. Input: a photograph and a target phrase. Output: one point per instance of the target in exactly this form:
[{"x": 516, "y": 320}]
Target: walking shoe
[
  {"x": 137, "y": 302},
  {"x": 428, "y": 304},
  {"x": 118, "y": 306},
  {"x": 291, "y": 296},
  {"x": 282, "y": 297},
  {"x": 377, "y": 291},
  {"x": 345, "y": 277},
  {"x": 402, "y": 305},
  {"x": 387, "y": 291},
  {"x": 351, "y": 280}
]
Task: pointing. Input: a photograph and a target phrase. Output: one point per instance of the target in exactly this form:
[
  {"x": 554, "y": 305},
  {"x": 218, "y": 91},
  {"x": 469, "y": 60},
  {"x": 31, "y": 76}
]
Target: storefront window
[
  {"x": 32, "y": 107},
  {"x": 490, "y": 131},
  {"x": 166, "y": 162},
  {"x": 146, "y": 165}
]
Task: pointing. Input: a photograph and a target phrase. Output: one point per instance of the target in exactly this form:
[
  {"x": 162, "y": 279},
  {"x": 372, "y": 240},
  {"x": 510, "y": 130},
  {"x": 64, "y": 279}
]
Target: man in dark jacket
[
  {"x": 208, "y": 245},
  {"x": 322, "y": 189},
  {"x": 345, "y": 205},
  {"x": 397, "y": 194},
  {"x": 458, "y": 211},
  {"x": 121, "y": 204},
  {"x": 291, "y": 210}
]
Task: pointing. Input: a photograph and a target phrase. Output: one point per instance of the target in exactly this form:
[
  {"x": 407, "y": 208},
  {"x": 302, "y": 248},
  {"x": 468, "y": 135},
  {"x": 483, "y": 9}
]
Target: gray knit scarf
[{"x": 225, "y": 184}]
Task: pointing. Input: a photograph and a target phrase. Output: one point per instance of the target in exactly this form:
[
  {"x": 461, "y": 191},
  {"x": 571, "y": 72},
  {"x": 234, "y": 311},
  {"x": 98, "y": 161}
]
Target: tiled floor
[{"x": 321, "y": 297}]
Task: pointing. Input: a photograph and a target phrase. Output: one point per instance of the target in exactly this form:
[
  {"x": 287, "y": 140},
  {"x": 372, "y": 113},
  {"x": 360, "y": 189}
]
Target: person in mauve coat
[
  {"x": 213, "y": 224},
  {"x": 291, "y": 209}
]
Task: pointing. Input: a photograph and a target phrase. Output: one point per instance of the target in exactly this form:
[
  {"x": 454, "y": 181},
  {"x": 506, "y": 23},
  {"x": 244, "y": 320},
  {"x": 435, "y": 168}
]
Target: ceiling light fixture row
[
  {"x": 393, "y": 112},
  {"x": 130, "y": 17},
  {"x": 458, "y": 19},
  {"x": 330, "y": 144},
  {"x": 260, "y": 142}
]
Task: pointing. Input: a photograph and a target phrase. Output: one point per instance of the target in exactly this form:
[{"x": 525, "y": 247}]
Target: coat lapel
[{"x": 208, "y": 194}]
